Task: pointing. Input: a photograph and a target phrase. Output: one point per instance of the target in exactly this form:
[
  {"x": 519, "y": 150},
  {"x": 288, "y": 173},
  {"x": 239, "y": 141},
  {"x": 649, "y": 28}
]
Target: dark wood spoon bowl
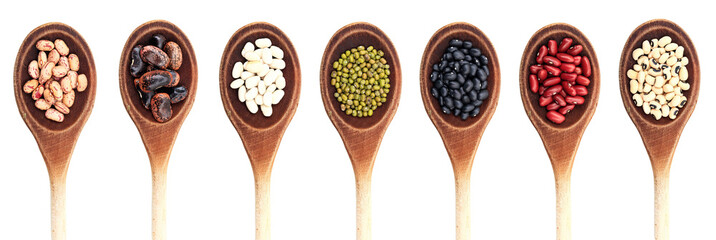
[
  {"x": 260, "y": 135},
  {"x": 461, "y": 138},
  {"x": 660, "y": 146},
  {"x": 158, "y": 137},
  {"x": 560, "y": 140},
  {"x": 361, "y": 136},
  {"x": 56, "y": 140}
]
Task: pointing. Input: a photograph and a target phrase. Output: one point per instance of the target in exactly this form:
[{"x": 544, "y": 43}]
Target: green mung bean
[{"x": 361, "y": 78}]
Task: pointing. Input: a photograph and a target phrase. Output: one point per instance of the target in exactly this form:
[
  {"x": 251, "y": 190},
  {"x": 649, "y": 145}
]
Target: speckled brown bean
[
  {"x": 69, "y": 98},
  {"x": 53, "y": 57},
  {"x": 41, "y": 59},
  {"x": 59, "y": 71},
  {"x": 56, "y": 90},
  {"x": 30, "y": 86},
  {"x": 161, "y": 107},
  {"x": 62, "y": 47},
  {"x": 81, "y": 83},
  {"x": 73, "y": 78},
  {"x": 42, "y": 104},
  {"x": 64, "y": 62},
  {"x": 37, "y": 94},
  {"x": 153, "y": 80},
  {"x": 46, "y": 72},
  {"x": 33, "y": 69},
  {"x": 61, "y": 107},
  {"x": 155, "y": 56},
  {"x": 47, "y": 95},
  {"x": 74, "y": 62},
  {"x": 66, "y": 84},
  {"x": 54, "y": 115},
  {"x": 44, "y": 45},
  {"x": 175, "y": 57}
]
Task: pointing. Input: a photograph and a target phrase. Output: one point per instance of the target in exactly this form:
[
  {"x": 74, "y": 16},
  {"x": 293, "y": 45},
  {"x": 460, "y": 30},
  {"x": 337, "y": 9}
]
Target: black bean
[
  {"x": 483, "y": 59},
  {"x": 473, "y": 95},
  {"x": 448, "y": 102},
  {"x": 451, "y": 49},
  {"x": 460, "y": 79},
  {"x": 447, "y": 56},
  {"x": 454, "y": 85},
  {"x": 478, "y": 103},
  {"x": 477, "y": 83},
  {"x": 486, "y": 69},
  {"x": 466, "y": 99},
  {"x": 456, "y": 112},
  {"x": 475, "y": 52},
  {"x": 434, "y": 76},
  {"x": 434, "y": 92},
  {"x": 484, "y": 84},
  {"x": 465, "y": 69},
  {"x": 444, "y": 91},
  {"x": 445, "y": 110},
  {"x": 468, "y": 108},
  {"x": 436, "y": 67},
  {"x": 438, "y": 84},
  {"x": 458, "y": 55},
  {"x": 473, "y": 70},
  {"x": 449, "y": 76},
  {"x": 468, "y": 58},
  {"x": 467, "y": 44},
  {"x": 456, "y": 43},
  {"x": 458, "y": 104},
  {"x": 481, "y": 75},
  {"x": 483, "y": 95},
  {"x": 456, "y": 94},
  {"x": 475, "y": 112},
  {"x": 464, "y": 115},
  {"x": 468, "y": 86}
]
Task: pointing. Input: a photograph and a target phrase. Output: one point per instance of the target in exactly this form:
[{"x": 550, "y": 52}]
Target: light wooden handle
[
  {"x": 57, "y": 193},
  {"x": 661, "y": 207},
  {"x": 564, "y": 209},
  {"x": 363, "y": 208},
  {"x": 159, "y": 209},
  {"x": 263, "y": 208},
  {"x": 462, "y": 207}
]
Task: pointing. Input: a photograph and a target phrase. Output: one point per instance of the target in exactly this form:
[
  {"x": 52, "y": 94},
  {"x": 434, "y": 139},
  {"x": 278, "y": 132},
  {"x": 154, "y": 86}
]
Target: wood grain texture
[
  {"x": 158, "y": 137},
  {"x": 260, "y": 135},
  {"x": 461, "y": 138},
  {"x": 660, "y": 146},
  {"x": 560, "y": 140},
  {"x": 55, "y": 140},
  {"x": 361, "y": 136}
]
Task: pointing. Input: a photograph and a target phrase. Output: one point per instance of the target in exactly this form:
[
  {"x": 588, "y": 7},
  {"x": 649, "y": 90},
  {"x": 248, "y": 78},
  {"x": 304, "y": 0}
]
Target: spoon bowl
[
  {"x": 158, "y": 137},
  {"x": 660, "y": 146},
  {"x": 260, "y": 135},
  {"x": 461, "y": 138},
  {"x": 55, "y": 140},
  {"x": 560, "y": 140},
  {"x": 361, "y": 136}
]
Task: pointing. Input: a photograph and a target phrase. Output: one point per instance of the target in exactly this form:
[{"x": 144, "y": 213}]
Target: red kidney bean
[
  {"x": 569, "y": 89},
  {"x": 580, "y": 90},
  {"x": 552, "y": 47},
  {"x": 578, "y": 70},
  {"x": 586, "y": 68},
  {"x": 565, "y": 44},
  {"x": 560, "y": 100},
  {"x": 534, "y": 84},
  {"x": 541, "y": 90},
  {"x": 562, "y": 93},
  {"x": 555, "y": 117},
  {"x": 535, "y": 68},
  {"x": 582, "y": 80},
  {"x": 575, "y": 50},
  {"x": 552, "y": 90},
  {"x": 551, "y": 81},
  {"x": 565, "y": 58},
  {"x": 549, "y": 60},
  {"x": 567, "y": 67},
  {"x": 545, "y": 100},
  {"x": 568, "y": 76},
  {"x": 552, "y": 70},
  {"x": 553, "y": 106},
  {"x": 576, "y": 100},
  {"x": 566, "y": 109},
  {"x": 542, "y": 75},
  {"x": 540, "y": 55},
  {"x": 577, "y": 60}
]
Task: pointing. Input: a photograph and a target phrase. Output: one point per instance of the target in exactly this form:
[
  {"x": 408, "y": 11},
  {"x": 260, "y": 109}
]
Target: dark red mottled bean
[
  {"x": 175, "y": 57},
  {"x": 155, "y": 56},
  {"x": 161, "y": 107}
]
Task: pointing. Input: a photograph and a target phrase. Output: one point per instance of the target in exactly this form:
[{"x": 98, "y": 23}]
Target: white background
[{"x": 210, "y": 183}]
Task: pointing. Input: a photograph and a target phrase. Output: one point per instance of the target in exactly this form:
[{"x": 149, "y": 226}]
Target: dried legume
[
  {"x": 257, "y": 78},
  {"x": 361, "y": 78}
]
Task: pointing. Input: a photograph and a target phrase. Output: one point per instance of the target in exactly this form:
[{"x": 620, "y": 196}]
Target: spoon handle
[
  {"x": 564, "y": 208},
  {"x": 159, "y": 198},
  {"x": 661, "y": 206},
  {"x": 462, "y": 206},
  {"x": 363, "y": 207},
  {"x": 57, "y": 192},
  {"x": 263, "y": 207}
]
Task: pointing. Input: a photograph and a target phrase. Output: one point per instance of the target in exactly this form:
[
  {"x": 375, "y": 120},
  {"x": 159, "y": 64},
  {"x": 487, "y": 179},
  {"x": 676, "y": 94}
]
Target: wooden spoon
[
  {"x": 261, "y": 135},
  {"x": 361, "y": 136},
  {"x": 56, "y": 140},
  {"x": 461, "y": 138},
  {"x": 158, "y": 137},
  {"x": 660, "y": 146},
  {"x": 561, "y": 141}
]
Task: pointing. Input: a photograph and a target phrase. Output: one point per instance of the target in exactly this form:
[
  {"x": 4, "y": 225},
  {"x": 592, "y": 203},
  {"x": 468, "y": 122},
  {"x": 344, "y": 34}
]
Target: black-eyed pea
[
  {"x": 649, "y": 97},
  {"x": 669, "y": 96},
  {"x": 665, "y": 110},
  {"x": 684, "y": 86},
  {"x": 61, "y": 47},
  {"x": 674, "y": 80},
  {"x": 59, "y": 72},
  {"x": 683, "y": 101},
  {"x": 663, "y": 58},
  {"x": 81, "y": 83},
  {"x": 684, "y": 74},
  {"x": 66, "y": 84},
  {"x": 650, "y": 79},
  {"x": 637, "y": 67},
  {"x": 679, "y": 53},
  {"x": 647, "y": 88},
  {"x": 53, "y": 57},
  {"x": 61, "y": 107},
  {"x": 656, "y": 113},
  {"x": 671, "y": 47},
  {"x": 657, "y": 90},
  {"x": 673, "y": 112},
  {"x": 661, "y": 99},
  {"x": 44, "y": 45},
  {"x": 646, "y": 47},
  {"x": 638, "y": 101},
  {"x": 46, "y": 72},
  {"x": 33, "y": 69},
  {"x": 73, "y": 78},
  {"x": 47, "y": 95},
  {"x": 56, "y": 90},
  {"x": 675, "y": 101},
  {"x": 654, "y": 43},
  {"x": 671, "y": 61},
  {"x": 37, "y": 94},
  {"x": 30, "y": 86},
  {"x": 684, "y": 61},
  {"x": 632, "y": 73},
  {"x": 645, "y": 107},
  {"x": 663, "y": 41},
  {"x": 74, "y": 62},
  {"x": 41, "y": 59},
  {"x": 42, "y": 104},
  {"x": 64, "y": 61},
  {"x": 633, "y": 86},
  {"x": 677, "y": 91},
  {"x": 659, "y": 81},
  {"x": 668, "y": 88},
  {"x": 54, "y": 115},
  {"x": 637, "y": 53},
  {"x": 69, "y": 98}
]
